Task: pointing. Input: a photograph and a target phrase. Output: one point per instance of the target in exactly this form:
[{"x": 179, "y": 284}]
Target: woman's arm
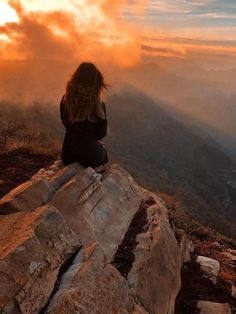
[
  {"x": 104, "y": 109},
  {"x": 63, "y": 112},
  {"x": 101, "y": 125},
  {"x": 101, "y": 129}
]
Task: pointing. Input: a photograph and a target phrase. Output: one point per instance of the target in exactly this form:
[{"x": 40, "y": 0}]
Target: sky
[
  {"x": 168, "y": 27},
  {"x": 187, "y": 14},
  {"x": 200, "y": 24}
]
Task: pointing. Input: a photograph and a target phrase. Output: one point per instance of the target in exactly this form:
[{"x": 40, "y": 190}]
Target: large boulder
[
  {"x": 155, "y": 273},
  {"x": 25, "y": 197},
  {"x": 207, "y": 307},
  {"x": 233, "y": 291},
  {"x": 99, "y": 244},
  {"x": 33, "y": 248},
  {"x": 91, "y": 285},
  {"x": 210, "y": 267},
  {"x": 99, "y": 210},
  {"x": 37, "y": 191}
]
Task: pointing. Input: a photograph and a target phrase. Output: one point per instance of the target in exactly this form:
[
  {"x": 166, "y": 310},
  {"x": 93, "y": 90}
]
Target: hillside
[
  {"x": 168, "y": 156},
  {"x": 192, "y": 93}
]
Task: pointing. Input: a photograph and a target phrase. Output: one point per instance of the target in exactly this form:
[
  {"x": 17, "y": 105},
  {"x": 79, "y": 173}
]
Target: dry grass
[{"x": 181, "y": 218}]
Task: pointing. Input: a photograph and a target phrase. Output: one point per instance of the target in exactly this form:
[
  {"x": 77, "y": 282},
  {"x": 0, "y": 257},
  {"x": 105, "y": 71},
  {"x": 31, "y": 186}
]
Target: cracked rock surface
[{"x": 72, "y": 241}]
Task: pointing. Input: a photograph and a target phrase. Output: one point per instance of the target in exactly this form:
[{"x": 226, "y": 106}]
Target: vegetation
[
  {"x": 24, "y": 149},
  {"x": 181, "y": 218},
  {"x": 28, "y": 128}
]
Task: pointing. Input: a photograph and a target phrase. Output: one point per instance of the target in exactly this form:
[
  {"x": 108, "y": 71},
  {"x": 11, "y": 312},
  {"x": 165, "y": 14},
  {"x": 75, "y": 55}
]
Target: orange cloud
[
  {"x": 171, "y": 45},
  {"x": 64, "y": 36},
  {"x": 44, "y": 47}
]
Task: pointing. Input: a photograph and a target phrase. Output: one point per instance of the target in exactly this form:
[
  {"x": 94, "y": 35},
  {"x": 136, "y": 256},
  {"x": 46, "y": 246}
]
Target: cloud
[
  {"x": 162, "y": 51},
  {"x": 93, "y": 31},
  {"x": 186, "y": 14},
  {"x": 66, "y": 32},
  {"x": 159, "y": 45},
  {"x": 39, "y": 53}
]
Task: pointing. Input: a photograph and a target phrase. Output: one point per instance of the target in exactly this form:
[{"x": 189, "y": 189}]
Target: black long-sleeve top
[{"x": 81, "y": 142}]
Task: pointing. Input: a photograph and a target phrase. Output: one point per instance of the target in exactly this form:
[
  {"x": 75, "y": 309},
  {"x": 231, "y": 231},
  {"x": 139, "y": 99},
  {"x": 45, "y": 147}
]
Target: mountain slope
[
  {"x": 169, "y": 157},
  {"x": 206, "y": 97}
]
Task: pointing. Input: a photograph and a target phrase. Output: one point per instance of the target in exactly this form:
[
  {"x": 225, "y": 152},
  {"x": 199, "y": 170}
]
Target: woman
[{"x": 84, "y": 116}]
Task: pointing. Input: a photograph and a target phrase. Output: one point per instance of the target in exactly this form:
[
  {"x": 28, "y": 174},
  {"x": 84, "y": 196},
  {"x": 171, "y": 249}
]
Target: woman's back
[
  {"x": 82, "y": 138},
  {"x": 81, "y": 143}
]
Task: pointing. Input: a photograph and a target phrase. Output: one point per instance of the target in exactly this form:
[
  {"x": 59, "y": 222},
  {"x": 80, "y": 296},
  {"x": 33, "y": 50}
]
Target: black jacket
[{"x": 81, "y": 143}]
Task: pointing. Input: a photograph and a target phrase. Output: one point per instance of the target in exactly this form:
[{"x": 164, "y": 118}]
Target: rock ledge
[{"x": 73, "y": 242}]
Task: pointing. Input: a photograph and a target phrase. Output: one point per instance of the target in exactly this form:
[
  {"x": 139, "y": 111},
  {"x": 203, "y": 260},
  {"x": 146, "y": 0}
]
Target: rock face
[
  {"x": 73, "y": 242},
  {"x": 233, "y": 293},
  {"x": 156, "y": 245},
  {"x": 36, "y": 192},
  {"x": 108, "y": 291},
  {"x": 207, "y": 307},
  {"x": 33, "y": 247},
  {"x": 210, "y": 267}
]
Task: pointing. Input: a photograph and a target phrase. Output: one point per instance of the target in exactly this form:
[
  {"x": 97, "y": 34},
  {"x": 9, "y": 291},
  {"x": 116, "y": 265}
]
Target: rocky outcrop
[
  {"x": 156, "y": 245},
  {"x": 206, "y": 307},
  {"x": 33, "y": 248},
  {"x": 37, "y": 191},
  {"x": 91, "y": 285},
  {"x": 233, "y": 293},
  {"x": 210, "y": 267},
  {"x": 73, "y": 241}
]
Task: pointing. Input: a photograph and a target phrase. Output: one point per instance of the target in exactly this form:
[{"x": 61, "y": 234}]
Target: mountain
[
  {"x": 189, "y": 89},
  {"x": 169, "y": 157},
  {"x": 192, "y": 94}
]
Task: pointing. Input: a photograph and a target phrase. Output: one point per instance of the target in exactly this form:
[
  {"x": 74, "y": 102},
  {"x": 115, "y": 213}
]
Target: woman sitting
[{"x": 84, "y": 117}]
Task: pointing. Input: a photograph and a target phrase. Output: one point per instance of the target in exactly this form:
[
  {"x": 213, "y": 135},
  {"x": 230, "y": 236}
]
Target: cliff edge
[{"x": 75, "y": 241}]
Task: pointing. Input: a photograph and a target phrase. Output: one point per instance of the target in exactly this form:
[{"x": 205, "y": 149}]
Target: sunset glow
[
  {"x": 69, "y": 30},
  {"x": 7, "y": 14},
  {"x": 120, "y": 32}
]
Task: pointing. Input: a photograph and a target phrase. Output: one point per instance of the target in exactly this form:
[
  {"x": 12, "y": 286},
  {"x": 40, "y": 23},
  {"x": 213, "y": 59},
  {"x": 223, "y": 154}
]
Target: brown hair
[{"x": 83, "y": 94}]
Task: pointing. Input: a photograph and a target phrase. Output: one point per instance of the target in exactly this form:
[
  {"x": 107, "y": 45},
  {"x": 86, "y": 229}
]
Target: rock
[
  {"x": 61, "y": 177},
  {"x": 70, "y": 201},
  {"x": 207, "y": 307},
  {"x": 33, "y": 248},
  {"x": 155, "y": 273},
  {"x": 186, "y": 248},
  {"x": 91, "y": 285},
  {"x": 112, "y": 215},
  {"x": 94, "y": 209},
  {"x": 233, "y": 293},
  {"x": 58, "y": 164},
  {"x": 210, "y": 267},
  {"x": 26, "y": 197},
  {"x": 51, "y": 170},
  {"x": 81, "y": 208},
  {"x": 37, "y": 191}
]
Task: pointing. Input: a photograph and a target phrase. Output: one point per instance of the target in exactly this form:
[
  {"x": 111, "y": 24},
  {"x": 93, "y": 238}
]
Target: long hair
[{"x": 83, "y": 94}]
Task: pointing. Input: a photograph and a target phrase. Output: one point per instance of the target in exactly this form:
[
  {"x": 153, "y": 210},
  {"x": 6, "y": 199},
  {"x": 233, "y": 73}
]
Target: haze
[{"x": 181, "y": 53}]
